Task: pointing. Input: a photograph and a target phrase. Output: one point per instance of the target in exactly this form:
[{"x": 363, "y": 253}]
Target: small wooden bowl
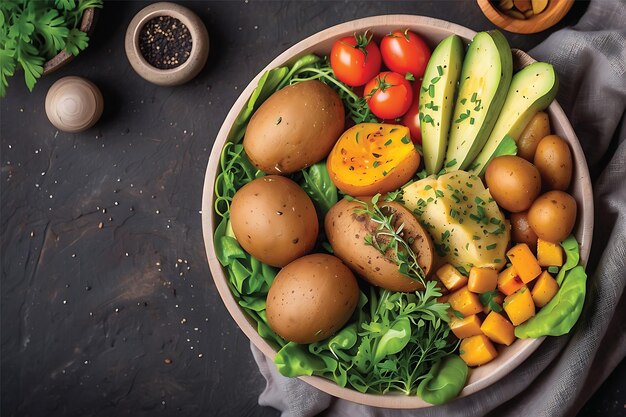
[
  {"x": 554, "y": 12},
  {"x": 87, "y": 25},
  {"x": 199, "y": 49}
]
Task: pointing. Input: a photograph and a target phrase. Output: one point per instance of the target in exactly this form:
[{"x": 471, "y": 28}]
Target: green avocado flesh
[
  {"x": 436, "y": 100},
  {"x": 485, "y": 80},
  {"x": 532, "y": 90}
]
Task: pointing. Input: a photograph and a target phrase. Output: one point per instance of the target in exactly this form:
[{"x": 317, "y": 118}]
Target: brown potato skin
[
  {"x": 521, "y": 232},
  {"x": 311, "y": 298},
  {"x": 399, "y": 176},
  {"x": 294, "y": 128},
  {"x": 537, "y": 129},
  {"x": 553, "y": 215},
  {"x": 274, "y": 220},
  {"x": 346, "y": 232},
  {"x": 553, "y": 159},
  {"x": 513, "y": 182}
]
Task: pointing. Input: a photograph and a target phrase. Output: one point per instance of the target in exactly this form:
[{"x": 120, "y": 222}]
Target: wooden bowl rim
[
  {"x": 87, "y": 23},
  {"x": 554, "y": 12},
  {"x": 584, "y": 228}
]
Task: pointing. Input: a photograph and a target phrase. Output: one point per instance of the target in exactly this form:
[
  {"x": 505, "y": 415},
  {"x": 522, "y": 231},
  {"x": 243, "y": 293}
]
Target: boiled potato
[
  {"x": 521, "y": 232},
  {"x": 537, "y": 129},
  {"x": 274, "y": 220},
  {"x": 553, "y": 159},
  {"x": 294, "y": 128},
  {"x": 513, "y": 182},
  {"x": 553, "y": 215},
  {"x": 311, "y": 298},
  {"x": 347, "y": 230}
]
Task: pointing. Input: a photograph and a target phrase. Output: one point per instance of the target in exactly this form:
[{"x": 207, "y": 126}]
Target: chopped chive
[
  {"x": 435, "y": 80},
  {"x": 492, "y": 246},
  {"x": 453, "y": 213},
  {"x": 553, "y": 269},
  {"x": 473, "y": 99},
  {"x": 439, "y": 193},
  {"x": 388, "y": 142},
  {"x": 384, "y": 173},
  {"x": 497, "y": 260},
  {"x": 406, "y": 140},
  {"x": 439, "y": 70},
  {"x": 479, "y": 200},
  {"x": 475, "y": 237},
  {"x": 431, "y": 91},
  {"x": 455, "y": 198},
  {"x": 451, "y": 163},
  {"x": 493, "y": 220},
  {"x": 463, "y": 100},
  {"x": 376, "y": 164},
  {"x": 428, "y": 187},
  {"x": 393, "y": 130},
  {"x": 471, "y": 120}
]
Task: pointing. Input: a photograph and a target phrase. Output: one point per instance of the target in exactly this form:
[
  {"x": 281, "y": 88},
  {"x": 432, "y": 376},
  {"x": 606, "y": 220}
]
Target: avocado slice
[
  {"x": 485, "y": 81},
  {"x": 532, "y": 90},
  {"x": 437, "y": 98}
]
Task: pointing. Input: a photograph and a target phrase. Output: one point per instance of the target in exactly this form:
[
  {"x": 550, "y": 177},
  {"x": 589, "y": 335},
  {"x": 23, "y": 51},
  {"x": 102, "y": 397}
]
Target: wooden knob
[{"x": 74, "y": 104}]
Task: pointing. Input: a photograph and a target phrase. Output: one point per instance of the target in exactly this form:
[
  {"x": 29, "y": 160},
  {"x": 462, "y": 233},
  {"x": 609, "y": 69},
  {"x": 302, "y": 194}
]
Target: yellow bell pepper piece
[
  {"x": 549, "y": 254},
  {"x": 451, "y": 277},
  {"x": 465, "y": 302},
  {"x": 498, "y": 329},
  {"x": 482, "y": 280},
  {"x": 477, "y": 350},
  {"x": 524, "y": 262},
  {"x": 544, "y": 290},
  {"x": 519, "y": 306},
  {"x": 465, "y": 327}
]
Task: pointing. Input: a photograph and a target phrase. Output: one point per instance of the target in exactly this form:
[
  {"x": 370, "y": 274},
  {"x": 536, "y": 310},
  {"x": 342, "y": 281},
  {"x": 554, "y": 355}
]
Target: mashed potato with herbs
[{"x": 466, "y": 224}]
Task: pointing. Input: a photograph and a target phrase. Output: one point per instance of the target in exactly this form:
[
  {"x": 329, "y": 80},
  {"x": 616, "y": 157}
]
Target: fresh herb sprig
[
  {"x": 389, "y": 241},
  {"x": 32, "y": 32}
]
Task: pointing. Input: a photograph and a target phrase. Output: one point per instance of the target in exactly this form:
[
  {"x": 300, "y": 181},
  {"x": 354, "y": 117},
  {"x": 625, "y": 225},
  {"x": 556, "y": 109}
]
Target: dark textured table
[{"x": 108, "y": 307}]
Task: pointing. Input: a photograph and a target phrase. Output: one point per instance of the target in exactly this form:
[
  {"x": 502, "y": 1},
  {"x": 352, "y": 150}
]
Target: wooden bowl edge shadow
[{"x": 523, "y": 348}]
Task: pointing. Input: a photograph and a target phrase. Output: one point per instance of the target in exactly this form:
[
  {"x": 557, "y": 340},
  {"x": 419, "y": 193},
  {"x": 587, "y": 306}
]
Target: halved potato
[{"x": 347, "y": 229}]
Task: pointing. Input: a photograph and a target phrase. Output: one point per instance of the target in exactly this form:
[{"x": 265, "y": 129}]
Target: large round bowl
[{"x": 433, "y": 30}]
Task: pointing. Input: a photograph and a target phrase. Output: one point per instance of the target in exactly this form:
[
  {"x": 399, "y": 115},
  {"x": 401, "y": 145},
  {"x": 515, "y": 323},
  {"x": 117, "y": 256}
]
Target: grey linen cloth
[{"x": 565, "y": 371}]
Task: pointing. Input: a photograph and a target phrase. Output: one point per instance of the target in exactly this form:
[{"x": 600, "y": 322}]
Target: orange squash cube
[
  {"x": 524, "y": 262},
  {"x": 499, "y": 299},
  {"x": 482, "y": 280},
  {"x": 451, "y": 277},
  {"x": 544, "y": 290},
  {"x": 519, "y": 306},
  {"x": 498, "y": 329},
  {"x": 465, "y": 302},
  {"x": 465, "y": 327},
  {"x": 509, "y": 281},
  {"x": 549, "y": 254},
  {"x": 477, "y": 350}
]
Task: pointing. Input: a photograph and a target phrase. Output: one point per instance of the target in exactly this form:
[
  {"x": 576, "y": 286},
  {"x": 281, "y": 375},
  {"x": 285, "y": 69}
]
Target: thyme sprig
[{"x": 389, "y": 240}]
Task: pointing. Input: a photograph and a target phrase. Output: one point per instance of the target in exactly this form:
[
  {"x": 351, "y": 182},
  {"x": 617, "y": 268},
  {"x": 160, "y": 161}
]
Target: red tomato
[
  {"x": 411, "y": 118},
  {"x": 355, "y": 59},
  {"x": 404, "y": 51},
  {"x": 389, "y": 95}
]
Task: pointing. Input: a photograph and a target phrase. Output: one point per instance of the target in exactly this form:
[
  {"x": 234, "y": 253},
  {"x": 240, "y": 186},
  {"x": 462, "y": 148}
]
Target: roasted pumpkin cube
[
  {"x": 524, "y": 262},
  {"x": 465, "y": 327},
  {"x": 465, "y": 302},
  {"x": 498, "y": 329},
  {"x": 451, "y": 277},
  {"x": 519, "y": 306},
  {"x": 509, "y": 281},
  {"x": 477, "y": 350},
  {"x": 544, "y": 290},
  {"x": 549, "y": 254},
  {"x": 482, "y": 280}
]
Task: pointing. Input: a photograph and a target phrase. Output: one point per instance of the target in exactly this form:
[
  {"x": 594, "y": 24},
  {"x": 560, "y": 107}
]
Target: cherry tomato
[
  {"x": 404, "y": 51},
  {"x": 355, "y": 59},
  {"x": 389, "y": 95},
  {"x": 411, "y": 117}
]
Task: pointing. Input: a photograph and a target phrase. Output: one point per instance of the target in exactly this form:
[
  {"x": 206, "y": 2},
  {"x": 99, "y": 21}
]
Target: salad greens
[
  {"x": 318, "y": 185},
  {"x": 445, "y": 380},
  {"x": 32, "y": 32},
  {"x": 562, "y": 312},
  {"x": 393, "y": 343}
]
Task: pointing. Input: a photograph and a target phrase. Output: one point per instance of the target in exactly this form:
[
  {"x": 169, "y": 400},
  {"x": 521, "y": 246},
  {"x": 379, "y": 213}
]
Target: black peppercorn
[{"x": 165, "y": 42}]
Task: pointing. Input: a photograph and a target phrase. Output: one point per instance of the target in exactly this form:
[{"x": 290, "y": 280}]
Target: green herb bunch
[{"x": 33, "y": 31}]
